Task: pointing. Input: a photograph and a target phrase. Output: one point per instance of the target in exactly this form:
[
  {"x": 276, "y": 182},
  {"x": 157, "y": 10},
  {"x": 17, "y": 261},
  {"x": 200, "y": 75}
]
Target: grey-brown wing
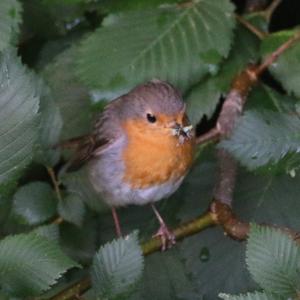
[
  {"x": 106, "y": 130},
  {"x": 83, "y": 148}
]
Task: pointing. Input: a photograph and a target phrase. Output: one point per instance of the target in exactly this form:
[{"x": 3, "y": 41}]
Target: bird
[{"x": 139, "y": 151}]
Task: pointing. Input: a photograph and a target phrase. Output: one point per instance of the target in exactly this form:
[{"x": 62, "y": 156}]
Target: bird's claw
[{"x": 166, "y": 236}]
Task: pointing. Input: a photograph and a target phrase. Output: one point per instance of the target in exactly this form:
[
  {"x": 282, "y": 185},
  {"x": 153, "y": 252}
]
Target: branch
[
  {"x": 240, "y": 88},
  {"x": 260, "y": 34},
  {"x": 223, "y": 190},
  {"x": 153, "y": 245}
]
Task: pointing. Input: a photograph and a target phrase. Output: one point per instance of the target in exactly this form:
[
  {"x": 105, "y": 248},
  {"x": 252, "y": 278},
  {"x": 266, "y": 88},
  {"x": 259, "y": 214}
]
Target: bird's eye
[{"x": 151, "y": 118}]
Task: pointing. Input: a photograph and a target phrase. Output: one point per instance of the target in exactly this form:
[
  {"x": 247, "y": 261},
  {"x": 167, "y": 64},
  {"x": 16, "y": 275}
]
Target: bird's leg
[
  {"x": 117, "y": 222},
  {"x": 167, "y": 237}
]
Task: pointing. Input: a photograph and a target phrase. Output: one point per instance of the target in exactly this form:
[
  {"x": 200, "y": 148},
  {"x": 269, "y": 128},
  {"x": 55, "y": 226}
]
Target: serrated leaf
[
  {"x": 30, "y": 264},
  {"x": 34, "y": 203},
  {"x": 117, "y": 266},
  {"x": 10, "y": 18},
  {"x": 179, "y": 45},
  {"x": 71, "y": 97},
  {"x": 72, "y": 209},
  {"x": 203, "y": 98},
  {"x": 262, "y": 137},
  {"x": 273, "y": 259},
  {"x": 19, "y": 103},
  {"x": 285, "y": 68},
  {"x": 251, "y": 296},
  {"x": 50, "y": 128}
]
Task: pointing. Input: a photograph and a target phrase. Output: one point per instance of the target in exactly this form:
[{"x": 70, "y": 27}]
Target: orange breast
[{"x": 154, "y": 157}]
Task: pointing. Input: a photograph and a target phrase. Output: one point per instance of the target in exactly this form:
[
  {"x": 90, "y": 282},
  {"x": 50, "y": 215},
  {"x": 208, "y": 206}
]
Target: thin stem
[
  {"x": 279, "y": 51},
  {"x": 260, "y": 34},
  {"x": 116, "y": 221},
  {"x": 270, "y": 10},
  {"x": 54, "y": 182}
]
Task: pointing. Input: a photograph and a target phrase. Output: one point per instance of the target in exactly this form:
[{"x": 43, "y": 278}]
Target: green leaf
[
  {"x": 50, "y": 128},
  {"x": 50, "y": 232},
  {"x": 203, "y": 98},
  {"x": 71, "y": 97},
  {"x": 30, "y": 264},
  {"x": 79, "y": 242},
  {"x": 79, "y": 185},
  {"x": 72, "y": 209},
  {"x": 252, "y": 296},
  {"x": 120, "y": 5},
  {"x": 262, "y": 137},
  {"x": 117, "y": 266},
  {"x": 19, "y": 103},
  {"x": 34, "y": 203},
  {"x": 168, "y": 272},
  {"x": 179, "y": 45},
  {"x": 285, "y": 68},
  {"x": 10, "y": 18},
  {"x": 273, "y": 259}
]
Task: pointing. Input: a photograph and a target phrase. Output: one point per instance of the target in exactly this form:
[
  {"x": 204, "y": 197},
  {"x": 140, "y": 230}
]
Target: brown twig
[
  {"x": 260, "y": 34},
  {"x": 54, "y": 182},
  {"x": 270, "y": 10},
  {"x": 223, "y": 190},
  {"x": 274, "y": 56}
]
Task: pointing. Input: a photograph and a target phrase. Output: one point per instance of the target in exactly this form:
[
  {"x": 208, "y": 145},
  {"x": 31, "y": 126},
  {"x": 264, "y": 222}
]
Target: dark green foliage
[
  {"x": 10, "y": 19},
  {"x": 72, "y": 209},
  {"x": 60, "y": 62},
  {"x": 34, "y": 203}
]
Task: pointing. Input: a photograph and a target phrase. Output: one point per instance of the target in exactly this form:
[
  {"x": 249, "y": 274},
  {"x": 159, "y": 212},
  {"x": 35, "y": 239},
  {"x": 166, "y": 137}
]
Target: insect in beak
[{"x": 183, "y": 133}]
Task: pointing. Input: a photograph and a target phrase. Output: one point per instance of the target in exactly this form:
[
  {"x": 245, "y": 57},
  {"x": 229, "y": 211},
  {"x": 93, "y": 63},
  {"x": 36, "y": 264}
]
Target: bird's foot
[{"x": 166, "y": 236}]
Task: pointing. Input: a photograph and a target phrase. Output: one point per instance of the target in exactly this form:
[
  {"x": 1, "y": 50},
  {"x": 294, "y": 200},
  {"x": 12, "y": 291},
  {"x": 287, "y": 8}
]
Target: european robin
[{"x": 139, "y": 151}]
